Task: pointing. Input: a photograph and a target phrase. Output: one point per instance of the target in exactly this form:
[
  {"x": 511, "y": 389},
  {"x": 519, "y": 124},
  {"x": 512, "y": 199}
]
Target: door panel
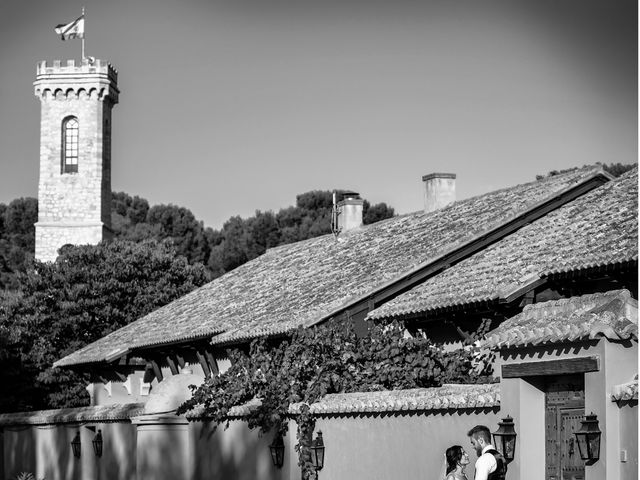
[
  {"x": 551, "y": 447},
  {"x": 572, "y": 464},
  {"x": 564, "y": 409}
]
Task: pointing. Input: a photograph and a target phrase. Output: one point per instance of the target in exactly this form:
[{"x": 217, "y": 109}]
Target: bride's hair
[{"x": 453, "y": 455}]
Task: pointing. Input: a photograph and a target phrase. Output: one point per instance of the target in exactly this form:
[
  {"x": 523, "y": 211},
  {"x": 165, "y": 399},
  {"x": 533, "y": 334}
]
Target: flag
[{"x": 71, "y": 30}]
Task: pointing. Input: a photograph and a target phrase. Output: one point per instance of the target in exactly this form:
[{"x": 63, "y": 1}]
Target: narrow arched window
[{"x": 70, "y": 145}]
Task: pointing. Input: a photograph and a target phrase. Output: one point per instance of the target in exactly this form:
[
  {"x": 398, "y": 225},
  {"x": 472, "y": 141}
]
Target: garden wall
[
  {"x": 45, "y": 450},
  {"x": 401, "y": 434}
]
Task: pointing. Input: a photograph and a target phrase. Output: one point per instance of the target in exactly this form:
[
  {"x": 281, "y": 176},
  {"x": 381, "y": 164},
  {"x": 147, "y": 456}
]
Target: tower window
[{"x": 70, "y": 145}]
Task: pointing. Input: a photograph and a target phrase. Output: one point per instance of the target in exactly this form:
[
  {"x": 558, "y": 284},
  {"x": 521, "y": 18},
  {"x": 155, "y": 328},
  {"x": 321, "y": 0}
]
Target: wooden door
[{"x": 564, "y": 403}]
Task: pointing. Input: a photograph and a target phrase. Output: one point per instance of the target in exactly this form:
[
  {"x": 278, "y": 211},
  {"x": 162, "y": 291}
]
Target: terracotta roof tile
[
  {"x": 237, "y": 411},
  {"x": 102, "y": 413},
  {"x": 301, "y": 283},
  {"x": 599, "y": 228},
  {"x": 446, "y": 397},
  {"x": 625, "y": 391},
  {"x": 613, "y": 315}
]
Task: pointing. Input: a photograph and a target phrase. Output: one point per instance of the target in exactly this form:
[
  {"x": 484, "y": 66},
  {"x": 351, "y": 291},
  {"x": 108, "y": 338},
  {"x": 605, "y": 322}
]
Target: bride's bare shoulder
[{"x": 453, "y": 476}]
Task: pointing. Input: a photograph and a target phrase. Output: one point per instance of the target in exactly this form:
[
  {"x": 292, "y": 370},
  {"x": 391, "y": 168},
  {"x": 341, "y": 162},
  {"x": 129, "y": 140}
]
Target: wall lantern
[
  {"x": 75, "y": 445},
  {"x": 317, "y": 452},
  {"x": 97, "y": 443},
  {"x": 589, "y": 438},
  {"x": 504, "y": 438},
  {"x": 277, "y": 451}
]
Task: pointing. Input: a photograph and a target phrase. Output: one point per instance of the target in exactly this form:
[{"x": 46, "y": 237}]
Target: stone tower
[{"x": 74, "y": 190}]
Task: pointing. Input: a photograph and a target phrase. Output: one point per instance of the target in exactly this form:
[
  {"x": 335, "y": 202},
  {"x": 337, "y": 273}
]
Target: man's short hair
[{"x": 480, "y": 431}]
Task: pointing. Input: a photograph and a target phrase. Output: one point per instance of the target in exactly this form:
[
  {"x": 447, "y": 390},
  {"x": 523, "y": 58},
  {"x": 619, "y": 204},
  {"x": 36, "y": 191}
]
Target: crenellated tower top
[{"x": 93, "y": 78}]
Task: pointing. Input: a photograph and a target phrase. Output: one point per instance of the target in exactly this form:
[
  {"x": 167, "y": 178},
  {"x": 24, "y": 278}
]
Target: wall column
[
  {"x": 618, "y": 365},
  {"x": 163, "y": 448},
  {"x": 524, "y": 402}
]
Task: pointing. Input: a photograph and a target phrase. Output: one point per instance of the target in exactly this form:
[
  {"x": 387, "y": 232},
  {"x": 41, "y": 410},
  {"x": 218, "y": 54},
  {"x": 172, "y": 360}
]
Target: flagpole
[{"x": 83, "y": 35}]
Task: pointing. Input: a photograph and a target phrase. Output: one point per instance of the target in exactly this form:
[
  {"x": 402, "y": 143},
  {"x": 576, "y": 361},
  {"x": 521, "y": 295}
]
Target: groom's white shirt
[{"x": 485, "y": 464}]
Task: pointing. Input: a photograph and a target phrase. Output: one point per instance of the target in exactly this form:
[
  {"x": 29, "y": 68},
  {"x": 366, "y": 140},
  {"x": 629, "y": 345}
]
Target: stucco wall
[
  {"x": 136, "y": 390},
  {"x": 236, "y": 452},
  {"x": 46, "y": 452},
  {"x": 116, "y": 392},
  {"x": 618, "y": 364},
  {"x": 629, "y": 440},
  {"x": 396, "y": 446},
  {"x": 523, "y": 399}
]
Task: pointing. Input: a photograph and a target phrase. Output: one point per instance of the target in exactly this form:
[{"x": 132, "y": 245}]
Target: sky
[{"x": 229, "y": 106}]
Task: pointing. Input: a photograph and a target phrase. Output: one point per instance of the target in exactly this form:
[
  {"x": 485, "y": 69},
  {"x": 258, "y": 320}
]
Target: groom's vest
[{"x": 500, "y": 473}]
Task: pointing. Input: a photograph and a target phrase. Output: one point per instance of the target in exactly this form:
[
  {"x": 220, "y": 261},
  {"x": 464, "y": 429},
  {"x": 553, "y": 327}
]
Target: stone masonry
[{"x": 74, "y": 208}]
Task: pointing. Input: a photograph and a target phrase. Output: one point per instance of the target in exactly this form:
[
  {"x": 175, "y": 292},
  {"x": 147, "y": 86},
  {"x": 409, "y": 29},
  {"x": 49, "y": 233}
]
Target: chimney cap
[
  {"x": 348, "y": 194},
  {"x": 431, "y": 176}
]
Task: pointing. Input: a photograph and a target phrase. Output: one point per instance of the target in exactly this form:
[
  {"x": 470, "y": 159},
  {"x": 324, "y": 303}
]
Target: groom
[{"x": 490, "y": 465}]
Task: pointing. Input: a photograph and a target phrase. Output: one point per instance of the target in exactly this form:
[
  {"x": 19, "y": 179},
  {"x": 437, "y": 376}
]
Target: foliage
[
  {"x": 17, "y": 238},
  {"x": 239, "y": 240},
  {"x": 133, "y": 219},
  {"x": 376, "y": 213},
  {"x": 26, "y": 476},
  {"x": 615, "y": 169},
  {"x": 88, "y": 292},
  {"x": 328, "y": 359},
  {"x": 242, "y": 240}
]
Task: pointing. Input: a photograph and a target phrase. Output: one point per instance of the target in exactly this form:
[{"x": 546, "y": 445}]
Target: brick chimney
[
  {"x": 350, "y": 208},
  {"x": 439, "y": 190}
]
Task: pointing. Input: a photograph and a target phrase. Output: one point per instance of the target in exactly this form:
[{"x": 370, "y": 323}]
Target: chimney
[
  {"x": 439, "y": 190},
  {"x": 350, "y": 208}
]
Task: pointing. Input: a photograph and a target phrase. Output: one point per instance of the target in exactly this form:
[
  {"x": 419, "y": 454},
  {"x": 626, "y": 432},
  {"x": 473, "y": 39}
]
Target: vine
[{"x": 326, "y": 359}]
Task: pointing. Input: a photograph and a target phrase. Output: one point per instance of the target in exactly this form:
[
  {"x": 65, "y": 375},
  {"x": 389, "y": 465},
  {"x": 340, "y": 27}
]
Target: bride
[{"x": 457, "y": 459}]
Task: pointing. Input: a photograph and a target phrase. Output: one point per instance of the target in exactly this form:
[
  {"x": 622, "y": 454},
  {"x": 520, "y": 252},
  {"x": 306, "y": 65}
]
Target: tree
[
  {"x": 17, "y": 238},
  {"x": 88, "y": 292},
  {"x": 239, "y": 240},
  {"x": 328, "y": 359},
  {"x": 375, "y": 213},
  {"x": 235, "y": 244},
  {"x": 134, "y": 209},
  {"x": 180, "y": 226},
  {"x": 615, "y": 169}
]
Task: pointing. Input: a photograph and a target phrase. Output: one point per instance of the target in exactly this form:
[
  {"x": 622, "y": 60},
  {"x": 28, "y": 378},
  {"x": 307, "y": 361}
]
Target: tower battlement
[
  {"x": 55, "y": 80},
  {"x": 97, "y": 66}
]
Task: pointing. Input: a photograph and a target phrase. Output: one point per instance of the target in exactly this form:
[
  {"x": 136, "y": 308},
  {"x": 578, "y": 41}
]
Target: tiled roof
[
  {"x": 304, "y": 282},
  {"x": 613, "y": 315},
  {"x": 625, "y": 391},
  {"x": 447, "y": 397},
  {"x": 237, "y": 411},
  {"x": 599, "y": 228},
  {"x": 102, "y": 413}
]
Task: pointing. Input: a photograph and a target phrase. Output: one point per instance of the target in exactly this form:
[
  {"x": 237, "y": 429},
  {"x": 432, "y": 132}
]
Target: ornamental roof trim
[
  {"x": 612, "y": 315},
  {"x": 446, "y": 397},
  {"x": 625, "y": 391},
  {"x": 99, "y": 413}
]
